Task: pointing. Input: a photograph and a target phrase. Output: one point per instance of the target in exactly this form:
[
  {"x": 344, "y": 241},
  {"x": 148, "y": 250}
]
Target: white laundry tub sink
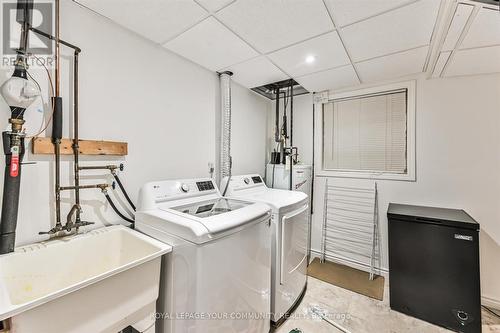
[{"x": 101, "y": 281}]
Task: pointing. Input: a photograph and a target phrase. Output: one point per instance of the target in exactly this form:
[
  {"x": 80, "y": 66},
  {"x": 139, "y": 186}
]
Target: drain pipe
[
  {"x": 225, "y": 138},
  {"x": 291, "y": 135}
]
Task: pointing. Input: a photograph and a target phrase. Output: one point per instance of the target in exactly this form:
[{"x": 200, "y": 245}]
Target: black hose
[
  {"x": 122, "y": 188},
  {"x": 11, "y": 189},
  {"x": 116, "y": 209}
]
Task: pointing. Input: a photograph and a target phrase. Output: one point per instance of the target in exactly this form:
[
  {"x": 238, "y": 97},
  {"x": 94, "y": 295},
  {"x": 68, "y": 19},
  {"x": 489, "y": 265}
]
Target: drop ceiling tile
[
  {"x": 441, "y": 63},
  {"x": 350, "y": 11},
  {"x": 256, "y": 72},
  {"x": 332, "y": 79},
  {"x": 398, "y": 30},
  {"x": 393, "y": 66},
  {"x": 484, "y": 31},
  {"x": 157, "y": 20},
  {"x": 269, "y": 25},
  {"x": 457, "y": 25},
  {"x": 484, "y": 60},
  {"x": 211, "y": 45},
  {"x": 214, "y": 5},
  {"x": 327, "y": 50}
]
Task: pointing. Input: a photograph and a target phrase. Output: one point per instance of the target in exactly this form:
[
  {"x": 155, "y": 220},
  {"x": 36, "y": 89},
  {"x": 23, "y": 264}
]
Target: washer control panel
[
  {"x": 246, "y": 182},
  {"x": 205, "y": 185},
  {"x": 173, "y": 189},
  {"x": 256, "y": 179}
]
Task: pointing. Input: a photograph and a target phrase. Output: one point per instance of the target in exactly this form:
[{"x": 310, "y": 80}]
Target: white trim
[
  {"x": 490, "y": 302},
  {"x": 410, "y": 86}
]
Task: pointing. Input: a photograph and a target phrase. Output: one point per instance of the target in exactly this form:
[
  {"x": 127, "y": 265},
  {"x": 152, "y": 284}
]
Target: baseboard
[
  {"x": 490, "y": 302},
  {"x": 485, "y": 300},
  {"x": 351, "y": 263}
]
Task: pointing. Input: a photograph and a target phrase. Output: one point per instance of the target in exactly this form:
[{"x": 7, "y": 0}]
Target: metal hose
[
  {"x": 116, "y": 209},
  {"x": 125, "y": 194},
  {"x": 225, "y": 140}
]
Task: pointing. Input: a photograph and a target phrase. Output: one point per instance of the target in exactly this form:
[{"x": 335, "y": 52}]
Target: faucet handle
[
  {"x": 82, "y": 224},
  {"x": 55, "y": 230}
]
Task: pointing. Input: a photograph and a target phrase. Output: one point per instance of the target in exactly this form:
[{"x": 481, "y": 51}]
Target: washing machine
[
  {"x": 217, "y": 277},
  {"x": 290, "y": 235}
]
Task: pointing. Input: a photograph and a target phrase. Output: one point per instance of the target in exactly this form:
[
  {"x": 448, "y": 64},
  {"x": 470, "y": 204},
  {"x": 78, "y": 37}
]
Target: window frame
[{"x": 410, "y": 174}]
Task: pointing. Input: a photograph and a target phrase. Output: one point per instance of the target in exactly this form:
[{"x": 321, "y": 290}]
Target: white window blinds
[{"x": 366, "y": 133}]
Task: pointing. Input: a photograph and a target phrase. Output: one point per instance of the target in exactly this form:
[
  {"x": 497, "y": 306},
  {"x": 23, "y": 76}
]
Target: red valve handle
[{"x": 14, "y": 163}]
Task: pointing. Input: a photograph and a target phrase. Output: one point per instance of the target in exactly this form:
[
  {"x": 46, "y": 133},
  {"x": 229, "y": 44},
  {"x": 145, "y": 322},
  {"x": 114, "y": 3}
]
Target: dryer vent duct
[{"x": 225, "y": 137}]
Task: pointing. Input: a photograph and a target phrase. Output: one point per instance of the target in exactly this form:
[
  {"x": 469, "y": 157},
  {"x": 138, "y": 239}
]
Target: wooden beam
[{"x": 87, "y": 147}]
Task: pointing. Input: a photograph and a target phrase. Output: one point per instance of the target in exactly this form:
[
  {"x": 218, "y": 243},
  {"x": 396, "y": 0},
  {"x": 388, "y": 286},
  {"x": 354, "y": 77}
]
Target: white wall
[
  {"x": 249, "y": 131},
  {"x": 132, "y": 90},
  {"x": 303, "y": 122},
  {"x": 458, "y": 162}
]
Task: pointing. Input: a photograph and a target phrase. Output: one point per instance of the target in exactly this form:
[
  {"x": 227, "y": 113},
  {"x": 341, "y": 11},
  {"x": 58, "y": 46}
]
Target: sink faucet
[
  {"x": 70, "y": 224},
  {"x": 77, "y": 223}
]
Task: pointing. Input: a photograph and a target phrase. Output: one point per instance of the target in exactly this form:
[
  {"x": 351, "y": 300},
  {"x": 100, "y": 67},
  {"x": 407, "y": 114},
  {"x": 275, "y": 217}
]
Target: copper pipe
[
  {"x": 84, "y": 187},
  {"x": 57, "y": 55}
]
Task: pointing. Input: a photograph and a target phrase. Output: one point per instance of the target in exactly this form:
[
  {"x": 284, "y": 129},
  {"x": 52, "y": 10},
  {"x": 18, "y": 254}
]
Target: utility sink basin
[{"x": 100, "y": 281}]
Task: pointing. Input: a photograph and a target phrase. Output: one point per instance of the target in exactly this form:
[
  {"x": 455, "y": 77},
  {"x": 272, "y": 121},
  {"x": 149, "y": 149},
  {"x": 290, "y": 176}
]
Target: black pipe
[
  {"x": 283, "y": 131},
  {"x": 291, "y": 113},
  {"x": 24, "y": 16},
  {"x": 291, "y": 135},
  {"x": 56, "y": 139},
  {"x": 76, "y": 147},
  {"x": 116, "y": 209},
  {"x": 10, "y": 205},
  {"x": 100, "y": 167},
  {"x": 285, "y": 120},
  {"x": 278, "y": 130},
  {"x": 125, "y": 194},
  {"x": 46, "y": 35},
  {"x": 313, "y": 156}
]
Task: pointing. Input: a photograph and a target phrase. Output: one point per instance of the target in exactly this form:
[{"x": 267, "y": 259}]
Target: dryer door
[{"x": 294, "y": 236}]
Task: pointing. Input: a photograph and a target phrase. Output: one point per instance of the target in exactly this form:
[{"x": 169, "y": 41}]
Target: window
[{"x": 369, "y": 134}]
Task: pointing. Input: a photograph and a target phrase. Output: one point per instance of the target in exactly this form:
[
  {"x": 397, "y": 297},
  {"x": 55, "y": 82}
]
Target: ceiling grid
[
  {"x": 343, "y": 43},
  {"x": 323, "y": 44}
]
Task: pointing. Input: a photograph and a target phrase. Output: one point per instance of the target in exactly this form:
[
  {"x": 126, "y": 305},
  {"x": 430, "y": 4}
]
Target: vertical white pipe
[{"x": 225, "y": 138}]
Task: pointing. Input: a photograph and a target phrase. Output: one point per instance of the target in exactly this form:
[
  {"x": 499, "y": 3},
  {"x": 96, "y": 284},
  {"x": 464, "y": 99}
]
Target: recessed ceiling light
[{"x": 310, "y": 59}]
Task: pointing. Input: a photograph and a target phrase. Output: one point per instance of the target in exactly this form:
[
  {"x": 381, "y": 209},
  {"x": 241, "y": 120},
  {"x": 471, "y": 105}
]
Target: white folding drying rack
[{"x": 350, "y": 224}]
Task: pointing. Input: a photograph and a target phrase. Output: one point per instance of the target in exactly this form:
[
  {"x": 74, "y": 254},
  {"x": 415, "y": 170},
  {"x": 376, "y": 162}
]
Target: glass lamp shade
[{"x": 19, "y": 92}]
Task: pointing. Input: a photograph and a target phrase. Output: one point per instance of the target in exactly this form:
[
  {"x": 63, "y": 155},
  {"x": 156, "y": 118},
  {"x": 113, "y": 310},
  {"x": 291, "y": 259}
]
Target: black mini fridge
[{"x": 434, "y": 266}]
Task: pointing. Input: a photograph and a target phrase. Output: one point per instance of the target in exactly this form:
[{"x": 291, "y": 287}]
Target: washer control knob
[
  {"x": 185, "y": 188},
  {"x": 247, "y": 181}
]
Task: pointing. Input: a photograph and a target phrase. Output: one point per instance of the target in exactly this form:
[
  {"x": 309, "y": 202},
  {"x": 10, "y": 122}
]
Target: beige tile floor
[{"x": 358, "y": 314}]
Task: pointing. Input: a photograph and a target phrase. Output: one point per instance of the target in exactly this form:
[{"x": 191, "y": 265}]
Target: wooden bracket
[{"x": 87, "y": 147}]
